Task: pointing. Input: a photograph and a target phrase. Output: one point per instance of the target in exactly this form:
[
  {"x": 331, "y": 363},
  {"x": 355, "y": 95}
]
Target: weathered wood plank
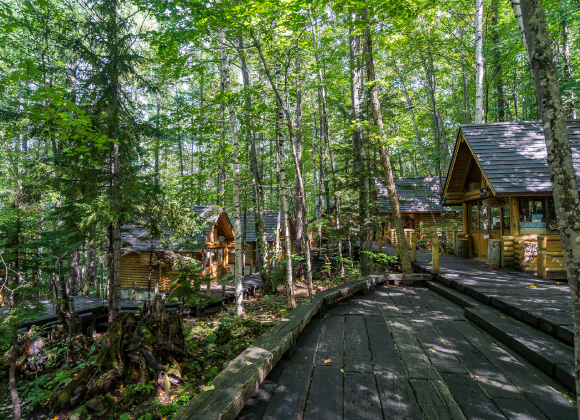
[
  {"x": 289, "y": 397},
  {"x": 518, "y": 409},
  {"x": 416, "y": 362},
  {"x": 384, "y": 354},
  {"x": 361, "y": 397},
  {"x": 471, "y": 398},
  {"x": 307, "y": 342},
  {"x": 490, "y": 378},
  {"x": 397, "y": 397},
  {"x": 357, "y": 354},
  {"x": 325, "y": 399},
  {"x": 255, "y": 407},
  {"x": 344, "y": 307},
  {"x": 330, "y": 350},
  {"x": 435, "y": 400},
  {"x": 547, "y": 399},
  {"x": 436, "y": 348}
]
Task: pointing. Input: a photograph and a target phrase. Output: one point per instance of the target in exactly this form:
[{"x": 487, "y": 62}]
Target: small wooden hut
[
  {"x": 251, "y": 238},
  {"x": 420, "y": 205},
  {"x": 212, "y": 245},
  {"x": 499, "y": 174}
]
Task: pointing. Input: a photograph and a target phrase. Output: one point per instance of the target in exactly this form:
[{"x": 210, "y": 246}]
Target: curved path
[{"x": 403, "y": 353}]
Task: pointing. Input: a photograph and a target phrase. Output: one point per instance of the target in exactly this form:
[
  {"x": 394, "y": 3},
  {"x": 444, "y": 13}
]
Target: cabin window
[
  {"x": 506, "y": 219},
  {"x": 495, "y": 218},
  {"x": 552, "y": 220},
  {"x": 145, "y": 257},
  {"x": 474, "y": 222},
  {"x": 532, "y": 215},
  {"x": 409, "y": 221}
]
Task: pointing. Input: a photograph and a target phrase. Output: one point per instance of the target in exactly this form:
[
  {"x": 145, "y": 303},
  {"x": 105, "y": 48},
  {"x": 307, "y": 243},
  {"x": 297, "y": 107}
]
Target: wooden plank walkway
[
  {"x": 403, "y": 353},
  {"x": 542, "y": 303}
]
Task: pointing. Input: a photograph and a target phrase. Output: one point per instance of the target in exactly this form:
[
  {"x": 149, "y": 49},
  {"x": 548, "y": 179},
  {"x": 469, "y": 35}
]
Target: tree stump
[
  {"x": 493, "y": 253},
  {"x": 462, "y": 248}
]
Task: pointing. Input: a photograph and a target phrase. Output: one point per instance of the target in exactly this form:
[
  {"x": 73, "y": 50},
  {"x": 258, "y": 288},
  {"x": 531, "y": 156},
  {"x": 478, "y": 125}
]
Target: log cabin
[
  {"x": 212, "y": 243},
  {"x": 420, "y": 205},
  {"x": 499, "y": 174},
  {"x": 249, "y": 229}
]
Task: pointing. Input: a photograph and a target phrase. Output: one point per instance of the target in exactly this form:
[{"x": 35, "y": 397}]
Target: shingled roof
[
  {"x": 271, "y": 222},
  {"x": 416, "y": 194},
  {"x": 134, "y": 237},
  {"x": 513, "y": 155}
]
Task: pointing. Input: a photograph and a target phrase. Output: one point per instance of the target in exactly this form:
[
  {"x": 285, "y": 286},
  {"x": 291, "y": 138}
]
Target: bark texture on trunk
[
  {"x": 236, "y": 170},
  {"x": 358, "y": 149},
  {"x": 12, "y": 378},
  {"x": 562, "y": 173},
  {"x": 478, "y": 61},
  {"x": 384, "y": 153}
]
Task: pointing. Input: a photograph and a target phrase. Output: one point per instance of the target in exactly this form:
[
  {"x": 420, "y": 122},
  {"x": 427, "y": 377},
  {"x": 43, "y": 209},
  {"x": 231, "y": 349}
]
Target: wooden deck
[
  {"x": 403, "y": 353},
  {"x": 543, "y": 303}
]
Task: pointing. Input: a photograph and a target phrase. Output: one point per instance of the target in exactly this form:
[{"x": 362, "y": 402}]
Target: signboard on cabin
[{"x": 495, "y": 203}]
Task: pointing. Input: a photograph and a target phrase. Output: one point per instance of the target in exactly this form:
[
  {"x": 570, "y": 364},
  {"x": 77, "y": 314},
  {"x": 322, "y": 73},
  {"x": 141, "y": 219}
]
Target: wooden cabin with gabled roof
[
  {"x": 211, "y": 243},
  {"x": 271, "y": 221},
  {"x": 420, "y": 206},
  {"x": 499, "y": 174}
]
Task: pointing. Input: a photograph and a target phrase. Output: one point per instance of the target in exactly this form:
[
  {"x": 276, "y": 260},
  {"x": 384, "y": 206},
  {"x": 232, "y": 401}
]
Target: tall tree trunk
[
  {"x": 236, "y": 180},
  {"x": 259, "y": 212},
  {"x": 301, "y": 199},
  {"x": 478, "y": 61},
  {"x": 297, "y": 153},
  {"x": 114, "y": 134},
  {"x": 12, "y": 378},
  {"x": 358, "y": 147},
  {"x": 384, "y": 154},
  {"x": 562, "y": 173},
  {"x": 157, "y": 139},
  {"x": 92, "y": 271}
]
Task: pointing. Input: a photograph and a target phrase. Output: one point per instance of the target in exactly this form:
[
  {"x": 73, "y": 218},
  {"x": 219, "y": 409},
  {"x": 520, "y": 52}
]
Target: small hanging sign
[{"x": 495, "y": 203}]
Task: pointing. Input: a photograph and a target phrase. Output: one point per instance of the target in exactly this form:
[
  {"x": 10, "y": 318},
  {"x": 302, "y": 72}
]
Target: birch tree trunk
[
  {"x": 236, "y": 175},
  {"x": 562, "y": 173},
  {"x": 384, "y": 154},
  {"x": 478, "y": 61}
]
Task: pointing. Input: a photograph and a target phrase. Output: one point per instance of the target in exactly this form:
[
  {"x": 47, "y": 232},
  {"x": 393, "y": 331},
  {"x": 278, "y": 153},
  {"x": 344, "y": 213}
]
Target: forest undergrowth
[{"x": 144, "y": 367}]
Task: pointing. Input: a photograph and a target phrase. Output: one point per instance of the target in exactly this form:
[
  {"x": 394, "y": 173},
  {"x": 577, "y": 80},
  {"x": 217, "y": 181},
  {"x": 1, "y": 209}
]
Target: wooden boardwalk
[
  {"x": 545, "y": 304},
  {"x": 403, "y": 353}
]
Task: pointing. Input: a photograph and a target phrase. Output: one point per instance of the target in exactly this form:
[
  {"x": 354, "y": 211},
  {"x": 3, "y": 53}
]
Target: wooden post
[
  {"x": 380, "y": 235},
  {"x": 133, "y": 291},
  {"x": 466, "y": 225},
  {"x": 414, "y": 247},
  {"x": 435, "y": 251},
  {"x": 542, "y": 249}
]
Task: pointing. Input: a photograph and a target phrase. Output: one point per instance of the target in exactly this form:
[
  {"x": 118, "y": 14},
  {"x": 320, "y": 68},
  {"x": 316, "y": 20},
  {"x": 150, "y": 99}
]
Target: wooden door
[{"x": 484, "y": 229}]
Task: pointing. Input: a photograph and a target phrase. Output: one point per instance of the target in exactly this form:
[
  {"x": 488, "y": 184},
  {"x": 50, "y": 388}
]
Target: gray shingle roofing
[
  {"x": 134, "y": 237},
  {"x": 416, "y": 194},
  {"x": 271, "y": 222},
  {"x": 513, "y": 155}
]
